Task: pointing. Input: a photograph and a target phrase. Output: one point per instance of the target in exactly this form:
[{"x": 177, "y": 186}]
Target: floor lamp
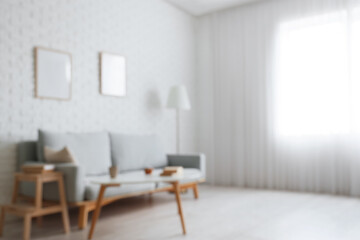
[{"x": 178, "y": 99}]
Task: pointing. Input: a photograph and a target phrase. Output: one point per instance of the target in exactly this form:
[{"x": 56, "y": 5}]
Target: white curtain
[{"x": 280, "y": 95}]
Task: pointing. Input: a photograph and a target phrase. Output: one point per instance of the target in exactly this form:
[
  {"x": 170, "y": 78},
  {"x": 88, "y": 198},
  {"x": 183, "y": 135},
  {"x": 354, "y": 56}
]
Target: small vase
[{"x": 113, "y": 171}]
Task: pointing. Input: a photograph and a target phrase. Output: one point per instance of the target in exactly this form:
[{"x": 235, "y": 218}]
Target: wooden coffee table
[{"x": 117, "y": 182}]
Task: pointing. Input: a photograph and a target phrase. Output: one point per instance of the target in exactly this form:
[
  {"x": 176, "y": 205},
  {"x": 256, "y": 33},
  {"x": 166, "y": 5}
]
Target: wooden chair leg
[
  {"x": 65, "y": 214},
  {"x": 2, "y": 220},
  {"x": 39, "y": 198},
  {"x": 38, "y": 193},
  {"x": 27, "y": 226},
  {"x": 196, "y": 191},
  {"x": 39, "y": 221},
  {"x": 83, "y": 216},
  {"x": 15, "y": 190}
]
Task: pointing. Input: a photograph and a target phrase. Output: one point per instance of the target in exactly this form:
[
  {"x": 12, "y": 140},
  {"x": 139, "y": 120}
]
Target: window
[{"x": 317, "y": 76}]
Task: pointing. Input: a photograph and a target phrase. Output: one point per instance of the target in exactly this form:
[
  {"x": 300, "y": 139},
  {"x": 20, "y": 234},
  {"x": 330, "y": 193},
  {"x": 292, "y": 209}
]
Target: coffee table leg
[
  {"x": 178, "y": 201},
  {"x": 97, "y": 210},
  {"x": 2, "y": 219}
]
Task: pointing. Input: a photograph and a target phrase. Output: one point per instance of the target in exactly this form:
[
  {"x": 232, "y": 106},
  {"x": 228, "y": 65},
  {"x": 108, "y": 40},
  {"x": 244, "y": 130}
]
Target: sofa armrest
[
  {"x": 74, "y": 181},
  {"x": 188, "y": 161},
  {"x": 31, "y": 162}
]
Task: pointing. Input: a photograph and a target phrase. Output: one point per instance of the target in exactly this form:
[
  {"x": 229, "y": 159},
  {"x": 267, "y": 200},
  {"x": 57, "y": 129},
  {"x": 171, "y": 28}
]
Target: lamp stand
[{"x": 177, "y": 131}]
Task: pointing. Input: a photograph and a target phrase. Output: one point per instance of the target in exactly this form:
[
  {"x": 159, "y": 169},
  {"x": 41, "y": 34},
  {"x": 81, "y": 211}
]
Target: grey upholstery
[
  {"x": 50, "y": 139},
  {"x": 77, "y": 178},
  {"x": 134, "y": 152},
  {"x": 188, "y": 161},
  {"x": 26, "y": 152},
  {"x": 91, "y": 150},
  {"x": 74, "y": 181}
]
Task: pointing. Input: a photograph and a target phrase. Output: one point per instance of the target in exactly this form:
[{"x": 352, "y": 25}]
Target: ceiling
[{"x": 201, "y": 7}]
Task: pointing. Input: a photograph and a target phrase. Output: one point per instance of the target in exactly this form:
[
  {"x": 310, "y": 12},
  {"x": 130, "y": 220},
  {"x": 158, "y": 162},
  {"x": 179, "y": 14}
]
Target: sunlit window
[{"x": 317, "y": 77}]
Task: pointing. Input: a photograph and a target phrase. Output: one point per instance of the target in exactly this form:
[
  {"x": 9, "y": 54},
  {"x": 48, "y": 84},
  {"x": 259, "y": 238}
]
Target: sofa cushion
[
  {"x": 134, "y": 152},
  {"x": 58, "y": 156},
  {"x": 92, "y": 190},
  {"x": 49, "y": 139},
  {"x": 91, "y": 150}
]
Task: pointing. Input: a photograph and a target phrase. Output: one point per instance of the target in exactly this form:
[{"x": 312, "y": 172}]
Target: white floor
[{"x": 220, "y": 213}]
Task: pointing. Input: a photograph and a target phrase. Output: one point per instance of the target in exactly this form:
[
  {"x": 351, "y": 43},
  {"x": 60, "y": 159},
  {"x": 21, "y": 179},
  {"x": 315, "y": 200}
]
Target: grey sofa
[{"x": 95, "y": 153}]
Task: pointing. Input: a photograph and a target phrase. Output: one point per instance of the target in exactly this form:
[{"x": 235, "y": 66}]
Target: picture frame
[
  {"x": 53, "y": 74},
  {"x": 113, "y": 75}
]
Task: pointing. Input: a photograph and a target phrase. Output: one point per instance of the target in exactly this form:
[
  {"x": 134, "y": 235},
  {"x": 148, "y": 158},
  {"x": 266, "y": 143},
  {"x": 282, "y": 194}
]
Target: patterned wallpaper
[{"x": 157, "y": 40}]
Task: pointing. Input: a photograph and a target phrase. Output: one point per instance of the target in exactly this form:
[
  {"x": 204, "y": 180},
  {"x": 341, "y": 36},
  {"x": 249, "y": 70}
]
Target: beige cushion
[{"x": 58, "y": 156}]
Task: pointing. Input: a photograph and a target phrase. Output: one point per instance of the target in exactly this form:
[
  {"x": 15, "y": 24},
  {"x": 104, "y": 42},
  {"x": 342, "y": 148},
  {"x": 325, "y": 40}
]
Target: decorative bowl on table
[{"x": 148, "y": 171}]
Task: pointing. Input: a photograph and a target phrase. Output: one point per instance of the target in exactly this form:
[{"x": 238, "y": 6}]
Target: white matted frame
[
  {"x": 53, "y": 75},
  {"x": 112, "y": 74}
]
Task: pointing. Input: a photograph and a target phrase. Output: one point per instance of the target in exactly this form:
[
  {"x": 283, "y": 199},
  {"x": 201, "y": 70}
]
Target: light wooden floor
[{"x": 220, "y": 213}]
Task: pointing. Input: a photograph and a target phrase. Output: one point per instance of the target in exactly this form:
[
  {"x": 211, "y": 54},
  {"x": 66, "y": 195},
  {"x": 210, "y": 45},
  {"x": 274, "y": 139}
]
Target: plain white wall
[{"x": 157, "y": 40}]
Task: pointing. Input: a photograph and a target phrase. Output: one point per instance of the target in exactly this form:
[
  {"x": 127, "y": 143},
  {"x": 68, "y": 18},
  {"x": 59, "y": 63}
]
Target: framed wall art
[
  {"x": 52, "y": 74},
  {"x": 112, "y": 74}
]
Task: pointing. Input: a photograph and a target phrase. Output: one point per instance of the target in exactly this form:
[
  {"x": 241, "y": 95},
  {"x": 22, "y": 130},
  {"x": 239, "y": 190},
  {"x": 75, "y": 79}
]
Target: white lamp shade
[{"x": 178, "y": 98}]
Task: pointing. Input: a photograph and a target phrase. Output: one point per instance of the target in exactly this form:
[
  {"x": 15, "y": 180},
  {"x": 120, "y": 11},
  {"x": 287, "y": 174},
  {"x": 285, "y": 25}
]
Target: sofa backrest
[
  {"x": 26, "y": 152},
  {"x": 91, "y": 150},
  {"x": 134, "y": 152}
]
